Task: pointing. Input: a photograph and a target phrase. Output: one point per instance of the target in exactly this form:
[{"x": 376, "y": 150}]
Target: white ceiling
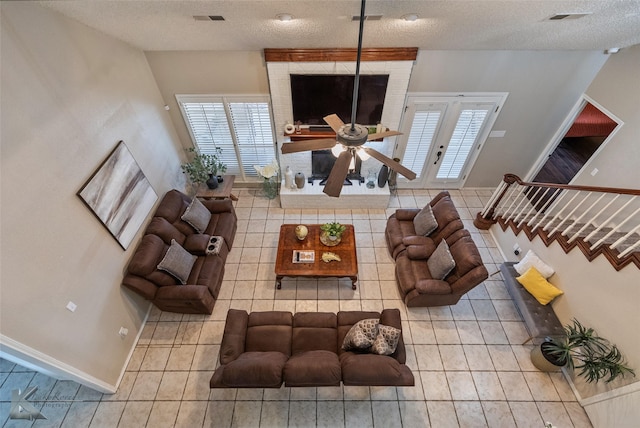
[{"x": 442, "y": 25}]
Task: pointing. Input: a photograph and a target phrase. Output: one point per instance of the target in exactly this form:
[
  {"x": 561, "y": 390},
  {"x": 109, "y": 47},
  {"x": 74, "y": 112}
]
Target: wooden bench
[{"x": 541, "y": 320}]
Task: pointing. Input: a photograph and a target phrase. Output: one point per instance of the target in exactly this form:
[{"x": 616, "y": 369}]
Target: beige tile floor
[{"x": 469, "y": 366}]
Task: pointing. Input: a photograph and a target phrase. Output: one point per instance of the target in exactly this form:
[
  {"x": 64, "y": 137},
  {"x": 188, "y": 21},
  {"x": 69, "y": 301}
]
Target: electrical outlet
[
  {"x": 71, "y": 306},
  {"x": 594, "y": 172},
  {"x": 123, "y": 332},
  {"x": 516, "y": 249}
]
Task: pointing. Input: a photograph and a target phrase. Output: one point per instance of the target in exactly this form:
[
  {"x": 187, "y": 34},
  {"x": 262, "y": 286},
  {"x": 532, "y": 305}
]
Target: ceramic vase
[
  {"x": 301, "y": 232},
  {"x": 288, "y": 178},
  {"x": 299, "y": 180},
  {"x": 212, "y": 182}
]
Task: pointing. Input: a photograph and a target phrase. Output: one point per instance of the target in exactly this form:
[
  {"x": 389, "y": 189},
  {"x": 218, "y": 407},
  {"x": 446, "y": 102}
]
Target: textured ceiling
[{"x": 444, "y": 25}]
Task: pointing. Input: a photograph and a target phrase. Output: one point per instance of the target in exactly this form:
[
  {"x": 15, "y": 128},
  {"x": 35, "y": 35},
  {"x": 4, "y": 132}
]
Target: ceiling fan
[{"x": 350, "y": 138}]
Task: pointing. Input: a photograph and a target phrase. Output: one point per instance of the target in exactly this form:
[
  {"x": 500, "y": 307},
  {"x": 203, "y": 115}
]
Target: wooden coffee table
[{"x": 346, "y": 249}]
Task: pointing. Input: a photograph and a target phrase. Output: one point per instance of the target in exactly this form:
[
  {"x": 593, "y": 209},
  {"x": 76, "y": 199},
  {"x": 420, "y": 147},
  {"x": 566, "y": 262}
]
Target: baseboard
[{"x": 33, "y": 359}]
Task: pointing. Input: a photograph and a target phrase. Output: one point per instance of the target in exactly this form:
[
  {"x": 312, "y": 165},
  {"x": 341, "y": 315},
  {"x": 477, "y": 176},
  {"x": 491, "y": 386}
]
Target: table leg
[
  {"x": 279, "y": 282},
  {"x": 233, "y": 197},
  {"x": 353, "y": 282}
]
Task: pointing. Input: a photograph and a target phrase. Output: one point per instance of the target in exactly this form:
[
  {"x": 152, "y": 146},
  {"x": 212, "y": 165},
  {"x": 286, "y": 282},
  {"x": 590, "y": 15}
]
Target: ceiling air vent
[
  {"x": 208, "y": 18},
  {"x": 367, "y": 17},
  {"x": 561, "y": 16}
]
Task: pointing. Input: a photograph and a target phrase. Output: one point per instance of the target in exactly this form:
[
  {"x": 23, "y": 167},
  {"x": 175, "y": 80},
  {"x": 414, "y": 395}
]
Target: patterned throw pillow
[
  {"x": 441, "y": 261},
  {"x": 178, "y": 262},
  {"x": 425, "y": 222},
  {"x": 386, "y": 341},
  {"x": 197, "y": 215},
  {"x": 362, "y": 335}
]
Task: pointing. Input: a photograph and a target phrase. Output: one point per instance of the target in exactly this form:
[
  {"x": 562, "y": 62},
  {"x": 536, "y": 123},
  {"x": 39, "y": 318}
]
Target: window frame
[{"x": 226, "y": 100}]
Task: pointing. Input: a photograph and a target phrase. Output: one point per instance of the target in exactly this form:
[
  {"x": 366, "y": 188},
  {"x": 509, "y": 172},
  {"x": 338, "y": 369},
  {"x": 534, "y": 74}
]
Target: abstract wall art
[{"x": 120, "y": 195}]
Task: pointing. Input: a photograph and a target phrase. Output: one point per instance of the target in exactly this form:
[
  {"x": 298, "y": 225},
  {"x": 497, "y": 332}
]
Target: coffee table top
[{"x": 287, "y": 243}]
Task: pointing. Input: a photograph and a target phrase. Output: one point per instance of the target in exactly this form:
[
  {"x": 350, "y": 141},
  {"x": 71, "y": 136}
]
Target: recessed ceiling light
[
  {"x": 410, "y": 17},
  {"x": 284, "y": 17}
]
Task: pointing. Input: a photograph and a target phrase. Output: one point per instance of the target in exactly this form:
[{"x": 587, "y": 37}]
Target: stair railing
[{"x": 605, "y": 215}]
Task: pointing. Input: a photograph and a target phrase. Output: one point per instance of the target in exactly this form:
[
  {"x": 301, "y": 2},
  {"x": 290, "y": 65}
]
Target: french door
[{"x": 442, "y": 137}]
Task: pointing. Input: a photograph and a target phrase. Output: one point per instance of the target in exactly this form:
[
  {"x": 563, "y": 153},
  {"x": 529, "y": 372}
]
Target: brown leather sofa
[
  {"x": 199, "y": 293},
  {"x": 400, "y": 231},
  {"x": 411, "y": 253},
  {"x": 265, "y": 349}
]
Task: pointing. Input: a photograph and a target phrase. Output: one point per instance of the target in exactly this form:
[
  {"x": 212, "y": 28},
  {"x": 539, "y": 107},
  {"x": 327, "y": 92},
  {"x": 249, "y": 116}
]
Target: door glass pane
[
  {"x": 462, "y": 141},
  {"x": 254, "y": 134},
  {"x": 423, "y": 130}
]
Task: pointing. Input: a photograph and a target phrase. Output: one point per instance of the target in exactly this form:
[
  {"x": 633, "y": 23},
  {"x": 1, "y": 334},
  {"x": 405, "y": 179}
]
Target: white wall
[
  {"x": 69, "y": 94},
  {"x": 543, "y": 87},
  {"x": 206, "y": 72},
  {"x": 617, "y": 88}
]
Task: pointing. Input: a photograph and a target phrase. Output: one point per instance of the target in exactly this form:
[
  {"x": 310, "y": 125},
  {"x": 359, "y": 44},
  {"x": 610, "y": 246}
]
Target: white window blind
[
  {"x": 423, "y": 130},
  {"x": 462, "y": 141},
  {"x": 241, "y": 128}
]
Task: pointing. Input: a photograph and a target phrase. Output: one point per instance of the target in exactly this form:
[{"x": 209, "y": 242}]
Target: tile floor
[{"x": 469, "y": 366}]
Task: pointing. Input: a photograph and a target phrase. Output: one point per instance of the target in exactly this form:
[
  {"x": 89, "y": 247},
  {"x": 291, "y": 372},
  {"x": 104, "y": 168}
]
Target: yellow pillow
[{"x": 540, "y": 288}]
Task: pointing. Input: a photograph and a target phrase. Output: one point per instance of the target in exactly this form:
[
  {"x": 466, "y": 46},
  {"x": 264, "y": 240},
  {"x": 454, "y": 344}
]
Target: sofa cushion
[
  {"x": 197, "y": 243},
  {"x": 386, "y": 341},
  {"x": 362, "y": 335},
  {"x": 313, "y": 368},
  {"x": 165, "y": 230},
  {"x": 178, "y": 262},
  {"x": 424, "y": 222},
  {"x": 147, "y": 256},
  {"x": 531, "y": 259},
  {"x": 441, "y": 262},
  {"x": 197, "y": 215},
  {"x": 538, "y": 287},
  {"x": 255, "y": 370},
  {"x": 314, "y": 331},
  {"x": 373, "y": 370},
  {"x": 269, "y": 331}
]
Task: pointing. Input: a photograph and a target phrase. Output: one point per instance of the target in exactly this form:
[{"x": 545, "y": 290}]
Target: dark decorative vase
[
  {"x": 212, "y": 182},
  {"x": 299, "y": 179}
]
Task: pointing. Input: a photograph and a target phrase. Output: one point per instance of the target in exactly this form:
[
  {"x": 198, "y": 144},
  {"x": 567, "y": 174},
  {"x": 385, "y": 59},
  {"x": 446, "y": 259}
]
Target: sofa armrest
[
  {"x": 406, "y": 214},
  {"x": 143, "y": 287},
  {"x": 197, "y": 243},
  {"x": 417, "y": 240},
  {"x": 235, "y": 332},
  {"x": 433, "y": 286},
  {"x": 217, "y": 206},
  {"x": 420, "y": 252}
]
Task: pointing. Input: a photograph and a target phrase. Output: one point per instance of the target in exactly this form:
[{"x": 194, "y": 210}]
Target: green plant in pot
[
  {"x": 204, "y": 168},
  {"x": 583, "y": 350},
  {"x": 331, "y": 233}
]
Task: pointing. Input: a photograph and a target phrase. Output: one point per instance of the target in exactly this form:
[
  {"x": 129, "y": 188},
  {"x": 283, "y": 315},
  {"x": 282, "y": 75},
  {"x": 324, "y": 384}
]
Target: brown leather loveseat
[
  {"x": 204, "y": 273},
  {"x": 265, "y": 349},
  {"x": 412, "y": 251}
]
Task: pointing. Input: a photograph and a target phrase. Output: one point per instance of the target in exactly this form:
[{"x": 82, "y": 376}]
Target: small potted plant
[
  {"x": 331, "y": 233},
  {"x": 582, "y": 349},
  {"x": 204, "y": 168}
]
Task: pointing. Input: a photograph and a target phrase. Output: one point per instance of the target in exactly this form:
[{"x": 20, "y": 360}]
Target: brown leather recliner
[
  {"x": 201, "y": 290},
  {"x": 419, "y": 288},
  {"x": 400, "y": 231}
]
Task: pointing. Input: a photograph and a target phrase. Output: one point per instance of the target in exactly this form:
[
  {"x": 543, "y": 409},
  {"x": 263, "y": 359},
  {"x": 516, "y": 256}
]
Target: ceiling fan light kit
[{"x": 350, "y": 138}]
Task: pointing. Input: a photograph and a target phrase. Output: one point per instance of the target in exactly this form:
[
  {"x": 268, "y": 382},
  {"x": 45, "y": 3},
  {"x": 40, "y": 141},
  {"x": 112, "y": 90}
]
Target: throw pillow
[
  {"x": 177, "y": 262},
  {"x": 361, "y": 335},
  {"x": 532, "y": 259},
  {"x": 425, "y": 222},
  {"x": 386, "y": 341},
  {"x": 441, "y": 262},
  {"x": 197, "y": 215},
  {"x": 538, "y": 287}
]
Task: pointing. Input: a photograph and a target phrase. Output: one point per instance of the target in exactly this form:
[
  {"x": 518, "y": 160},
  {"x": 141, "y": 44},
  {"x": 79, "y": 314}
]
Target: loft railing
[{"x": 599, "y": 216}]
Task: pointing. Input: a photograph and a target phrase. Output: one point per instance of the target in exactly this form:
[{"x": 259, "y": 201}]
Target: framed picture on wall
[{"x": 119, "y": 194}]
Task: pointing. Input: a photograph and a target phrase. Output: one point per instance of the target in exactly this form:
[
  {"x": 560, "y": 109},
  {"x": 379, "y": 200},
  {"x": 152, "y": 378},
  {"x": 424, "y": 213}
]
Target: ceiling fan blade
[
  {"x": 334, "y": 184},
  {"x": 396, "y": 166},
  {"x": 303, "y": 146},
  {"x": 334, "y": 122},
  {"x": 379, "y": 135}
]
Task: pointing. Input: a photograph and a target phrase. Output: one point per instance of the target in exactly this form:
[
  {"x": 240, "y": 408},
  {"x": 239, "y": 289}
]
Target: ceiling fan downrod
[{"x": 356, "y": 83}]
